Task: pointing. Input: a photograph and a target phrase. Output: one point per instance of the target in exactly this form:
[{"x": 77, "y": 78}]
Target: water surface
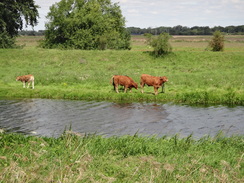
[{"x": 46, "y": 117}]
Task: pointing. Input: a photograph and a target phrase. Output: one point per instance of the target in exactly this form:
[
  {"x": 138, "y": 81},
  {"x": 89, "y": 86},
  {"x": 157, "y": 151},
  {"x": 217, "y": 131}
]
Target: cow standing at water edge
[
  {"x": 125, "y": 81},
  {"x": 26, "y": 79},
  {"x": 154, "y": 81}
]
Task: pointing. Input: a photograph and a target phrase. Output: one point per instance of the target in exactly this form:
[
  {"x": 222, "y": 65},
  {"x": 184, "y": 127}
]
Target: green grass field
[
  {"x": 73, "y": 158},
  {"x": 195, "y": 76}
]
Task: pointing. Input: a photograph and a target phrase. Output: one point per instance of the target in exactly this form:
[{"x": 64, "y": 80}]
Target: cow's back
[
  {"x": 28, "y": 78},
  {"x": 148, "y": 79},
  {"x": 121, "y": 80},
  {"x": 125, "y": 81},
  {"x": 25, "y": 78}
]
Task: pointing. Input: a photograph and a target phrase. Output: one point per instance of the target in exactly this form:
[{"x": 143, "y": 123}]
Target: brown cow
[
  {"x": 125, "y": 81},
  {"x": 154, "y": 81},
  {"x": 26, "y": 79}
]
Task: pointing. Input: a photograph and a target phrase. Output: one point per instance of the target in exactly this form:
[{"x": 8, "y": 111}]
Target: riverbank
[
  {"x": 89, "y": 158},
  {"x": 195, "y": 76}
]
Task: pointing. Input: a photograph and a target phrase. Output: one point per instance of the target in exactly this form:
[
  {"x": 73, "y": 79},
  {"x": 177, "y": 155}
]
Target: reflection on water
[{"x": 47, "y": 117}]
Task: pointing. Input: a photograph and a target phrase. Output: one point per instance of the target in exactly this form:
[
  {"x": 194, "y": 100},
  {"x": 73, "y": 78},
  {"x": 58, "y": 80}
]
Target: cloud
[
  {"x": 132, "y": 11},
  {"x": 154, "y": 13},
  {"x": 184, "y": 12}
]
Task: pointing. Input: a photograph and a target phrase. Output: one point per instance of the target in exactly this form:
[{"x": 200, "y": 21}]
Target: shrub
[
  {"x": 217, "y": 42},
  {"x": 160, "y": 44}
]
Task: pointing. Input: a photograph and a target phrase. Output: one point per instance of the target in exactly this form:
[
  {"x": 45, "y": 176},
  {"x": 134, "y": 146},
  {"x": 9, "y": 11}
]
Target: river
[{"x": 47, "y": 117}]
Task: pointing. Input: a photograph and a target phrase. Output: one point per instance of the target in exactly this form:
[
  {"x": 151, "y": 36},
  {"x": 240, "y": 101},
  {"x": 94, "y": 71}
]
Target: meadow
[
  {"x": 75, "y": 157},
  {"x": 196, "y": 75}
]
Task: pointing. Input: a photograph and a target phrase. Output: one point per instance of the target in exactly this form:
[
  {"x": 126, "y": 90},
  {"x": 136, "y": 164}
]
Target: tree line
[
  {"x": 184, "y": 30},
  {"x": 176, "y": 30},
  {"x": 31, "y": 33}
]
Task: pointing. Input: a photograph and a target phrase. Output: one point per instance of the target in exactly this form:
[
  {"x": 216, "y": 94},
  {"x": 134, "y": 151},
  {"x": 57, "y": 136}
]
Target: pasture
[
  {"x": 77, "y": 158},
  {"x": 196, "y": 75}
]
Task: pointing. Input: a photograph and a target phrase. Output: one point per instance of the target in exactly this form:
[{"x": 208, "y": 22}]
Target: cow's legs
[
  {"x": 125, "y": 89},
  {"x": 28, "y": 84},
  {"x": 23, "y": 84},
  {"x": 156, "y": 90},
  {"x": 114, "y": 87},
  {"x": 163, "y": 88},
  {"x": 117, "y": 88},
  {"x": 33, "y": 84},
  {"x": 142, "y": 85}
]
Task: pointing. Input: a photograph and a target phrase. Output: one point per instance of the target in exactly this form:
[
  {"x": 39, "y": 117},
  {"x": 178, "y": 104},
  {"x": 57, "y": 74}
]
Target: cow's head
[
  {"x": 135, "y": 85},
  {"x": 18, "y": 78},
  {"x": 164, "y": 79}
]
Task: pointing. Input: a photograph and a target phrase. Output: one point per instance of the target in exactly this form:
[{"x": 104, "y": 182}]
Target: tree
[
  {"x": 12, "y": 15},
  {"x": 159, "y": 43},
  {"x": 86, "y": 24},
  {"x": 217, "y": 42}
]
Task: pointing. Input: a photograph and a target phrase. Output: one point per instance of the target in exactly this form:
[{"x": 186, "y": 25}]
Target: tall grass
[
  {"x": 89, "y": 158},
  {"x": 194, "y": 76}
]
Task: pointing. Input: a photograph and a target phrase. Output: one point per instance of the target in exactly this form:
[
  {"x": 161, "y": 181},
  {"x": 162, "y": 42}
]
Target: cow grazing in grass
[
  {"x": 26, "y": 79},
  {"x": 125, "y": 81},
  {"x": 154, "y": 81}
]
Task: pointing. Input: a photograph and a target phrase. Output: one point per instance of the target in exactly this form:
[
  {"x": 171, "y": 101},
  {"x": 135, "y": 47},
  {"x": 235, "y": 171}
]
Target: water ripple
[{"x": 47, "y": 117}]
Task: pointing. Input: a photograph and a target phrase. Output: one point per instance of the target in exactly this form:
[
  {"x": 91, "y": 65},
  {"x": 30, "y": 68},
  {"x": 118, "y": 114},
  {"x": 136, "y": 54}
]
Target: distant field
[
  {"x": 138, "y": 42},
  {"x": 29, "y": 41},
  {"x": 192, "y": 43}
]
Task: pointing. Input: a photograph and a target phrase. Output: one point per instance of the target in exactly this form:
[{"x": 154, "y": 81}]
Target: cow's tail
[{"x": 112, "y": 81}]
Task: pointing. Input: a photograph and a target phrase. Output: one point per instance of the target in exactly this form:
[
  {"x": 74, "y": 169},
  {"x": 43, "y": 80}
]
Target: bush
[
  {"x": 217, "y": 42},
  {"x": 6, "y": 41},
  {"x": 160, "y": 44}
]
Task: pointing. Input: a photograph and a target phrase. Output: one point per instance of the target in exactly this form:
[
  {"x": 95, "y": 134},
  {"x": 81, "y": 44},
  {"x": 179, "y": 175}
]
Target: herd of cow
[
  {"x": 128, "y": 82},
  {"x": 116, "y": 80}
]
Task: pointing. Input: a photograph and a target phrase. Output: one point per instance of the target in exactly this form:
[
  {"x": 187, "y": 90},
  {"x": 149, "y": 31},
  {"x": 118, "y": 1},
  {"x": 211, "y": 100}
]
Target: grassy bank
[
  {"x": 195, "y": 76},
  {"x": 73, "y": 158}
]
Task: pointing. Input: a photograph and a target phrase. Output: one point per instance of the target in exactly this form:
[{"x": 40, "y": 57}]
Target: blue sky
[{"x": 156, "y": 13}]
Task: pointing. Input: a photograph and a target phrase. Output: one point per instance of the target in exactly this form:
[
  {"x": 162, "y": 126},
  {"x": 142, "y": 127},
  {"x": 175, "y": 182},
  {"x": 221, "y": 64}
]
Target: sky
[{"x": 169, "y": 13}]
